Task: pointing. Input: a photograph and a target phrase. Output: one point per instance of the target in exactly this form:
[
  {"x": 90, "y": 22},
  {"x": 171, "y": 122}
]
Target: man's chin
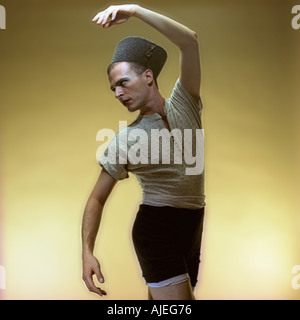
[{"x": 132, "y": 108}]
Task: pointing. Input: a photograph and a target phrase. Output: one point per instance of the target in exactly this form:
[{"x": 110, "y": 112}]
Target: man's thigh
[{"x": 180, "y": 291}]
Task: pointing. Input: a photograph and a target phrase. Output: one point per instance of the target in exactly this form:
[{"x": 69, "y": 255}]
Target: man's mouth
[{"x": 126, "y": 102}]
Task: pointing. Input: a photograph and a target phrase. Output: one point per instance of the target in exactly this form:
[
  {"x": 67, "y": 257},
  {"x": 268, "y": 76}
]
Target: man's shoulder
[{"x": 180, "y": 97}]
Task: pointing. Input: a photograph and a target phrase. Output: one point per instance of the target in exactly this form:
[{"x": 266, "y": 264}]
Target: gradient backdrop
[{"x": 54, "y": 98}]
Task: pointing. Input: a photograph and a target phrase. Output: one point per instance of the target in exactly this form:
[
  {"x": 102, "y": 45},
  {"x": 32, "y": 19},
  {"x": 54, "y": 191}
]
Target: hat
[{"x": 142, "y": 51}]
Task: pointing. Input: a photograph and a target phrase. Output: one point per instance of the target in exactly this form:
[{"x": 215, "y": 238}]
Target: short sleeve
[
  {"x": 114, "y": 159},
  {"x": 181, "y": 97},
  {"x": 182, "y": 110}
]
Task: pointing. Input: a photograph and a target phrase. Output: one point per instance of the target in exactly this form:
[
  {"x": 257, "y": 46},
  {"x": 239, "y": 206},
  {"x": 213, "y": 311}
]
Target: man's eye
[{"x": 123, "y": 82}]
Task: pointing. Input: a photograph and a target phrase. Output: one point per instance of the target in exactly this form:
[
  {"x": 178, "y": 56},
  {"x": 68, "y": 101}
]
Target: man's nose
[{"x": 118, "y": 92}]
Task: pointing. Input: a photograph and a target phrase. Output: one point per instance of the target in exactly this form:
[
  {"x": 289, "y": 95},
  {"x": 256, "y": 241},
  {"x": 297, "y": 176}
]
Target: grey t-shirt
[{"x": 168, "y": 165}]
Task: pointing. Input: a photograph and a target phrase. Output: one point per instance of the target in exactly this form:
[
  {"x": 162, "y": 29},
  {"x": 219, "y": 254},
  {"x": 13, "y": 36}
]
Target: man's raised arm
[{"x": 183, "y": 37}]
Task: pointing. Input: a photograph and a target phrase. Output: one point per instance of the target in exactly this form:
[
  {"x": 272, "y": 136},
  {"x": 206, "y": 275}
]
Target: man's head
[{"x": 134, "y": 69}]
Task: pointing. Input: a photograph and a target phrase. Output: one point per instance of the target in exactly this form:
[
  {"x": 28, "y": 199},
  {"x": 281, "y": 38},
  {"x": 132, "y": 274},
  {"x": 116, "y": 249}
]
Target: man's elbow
[
  {"x": 194, "y": 35},
  {"x": 96, "y": 202},
  {"x": 188, "y": 39},
  {"x": 192, "y": 39}
]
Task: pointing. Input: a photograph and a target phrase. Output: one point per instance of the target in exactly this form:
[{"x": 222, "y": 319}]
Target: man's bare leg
[{"x": 149, "y": 295}]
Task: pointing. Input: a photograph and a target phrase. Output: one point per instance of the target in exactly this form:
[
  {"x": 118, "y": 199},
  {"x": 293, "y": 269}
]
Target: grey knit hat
[{"x": 142, "y": 51}]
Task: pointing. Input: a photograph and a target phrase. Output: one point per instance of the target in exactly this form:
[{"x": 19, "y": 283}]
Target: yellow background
[{"x": 54, "y": 98}]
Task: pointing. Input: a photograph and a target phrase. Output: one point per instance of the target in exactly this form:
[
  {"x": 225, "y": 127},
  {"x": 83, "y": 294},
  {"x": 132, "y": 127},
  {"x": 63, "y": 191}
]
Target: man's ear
[{"x": 148, "y": 74}]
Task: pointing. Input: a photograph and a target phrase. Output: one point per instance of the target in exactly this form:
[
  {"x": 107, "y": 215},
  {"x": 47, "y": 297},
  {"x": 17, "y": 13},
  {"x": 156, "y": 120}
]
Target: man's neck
[{"x": 155, "y": 105}]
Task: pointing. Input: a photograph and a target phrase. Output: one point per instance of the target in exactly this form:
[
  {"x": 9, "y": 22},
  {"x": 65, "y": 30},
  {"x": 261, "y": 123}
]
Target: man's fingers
[
  {"x": 109, "y": 24},
  {"x": 99, "y": 275},
  {"x": 106, "y": 22},
  {"x": 89, "y": 280},
  {"x": 96, "y": 17},
  {"x": 114, "y": 14},
  {"x": 91, "y": 272},
  {"x": 106, "y": 16},
  {"x": 99, "y": 17},
  {"x": 91, "y": 286},
  {"x": 97, "y": 271}
]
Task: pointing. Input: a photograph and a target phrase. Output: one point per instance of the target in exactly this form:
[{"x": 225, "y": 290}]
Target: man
[{"x": 168, "y": 227}]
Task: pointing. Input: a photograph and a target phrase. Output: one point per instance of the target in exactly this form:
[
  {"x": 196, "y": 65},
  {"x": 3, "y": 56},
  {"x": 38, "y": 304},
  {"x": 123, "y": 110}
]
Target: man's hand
[
  {"x": 115, "y": 15},
  {"x": 91, "y": 267}
]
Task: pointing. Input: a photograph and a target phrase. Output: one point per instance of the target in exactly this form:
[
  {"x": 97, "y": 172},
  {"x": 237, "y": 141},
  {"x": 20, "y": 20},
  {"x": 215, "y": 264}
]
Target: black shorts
[{"x": 167, "y": 242}]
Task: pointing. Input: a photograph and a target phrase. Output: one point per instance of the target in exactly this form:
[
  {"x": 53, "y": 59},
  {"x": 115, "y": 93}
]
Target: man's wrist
[
  {"x": 86, "y": 251},
  {"x": 138, "y": 12}
]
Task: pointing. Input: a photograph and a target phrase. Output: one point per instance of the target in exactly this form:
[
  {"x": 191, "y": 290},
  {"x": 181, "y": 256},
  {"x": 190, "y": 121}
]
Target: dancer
[{"x": 168, "y": 227}]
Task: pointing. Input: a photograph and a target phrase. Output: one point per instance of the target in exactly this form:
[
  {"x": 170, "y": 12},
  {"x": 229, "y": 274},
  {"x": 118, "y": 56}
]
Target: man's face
[{"x": 130, "y": 88}]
